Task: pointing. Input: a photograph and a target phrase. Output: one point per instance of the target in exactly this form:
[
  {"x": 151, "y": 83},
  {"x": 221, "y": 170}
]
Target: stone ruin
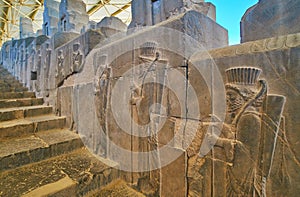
[
  {"x": 50, "y": 17},
  {"x": 72, "y": 16},
  {"x": 26, "y": 28},
  {"x": 179, "y": 111}
]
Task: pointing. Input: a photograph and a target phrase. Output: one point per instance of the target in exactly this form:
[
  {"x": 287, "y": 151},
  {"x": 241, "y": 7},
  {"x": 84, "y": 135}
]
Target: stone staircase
[{"x": 38, "y": 155}]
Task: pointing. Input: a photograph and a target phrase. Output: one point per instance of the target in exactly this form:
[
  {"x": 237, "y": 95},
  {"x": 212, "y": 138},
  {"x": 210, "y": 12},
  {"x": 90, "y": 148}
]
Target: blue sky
[{"x": 229, "y": 14}]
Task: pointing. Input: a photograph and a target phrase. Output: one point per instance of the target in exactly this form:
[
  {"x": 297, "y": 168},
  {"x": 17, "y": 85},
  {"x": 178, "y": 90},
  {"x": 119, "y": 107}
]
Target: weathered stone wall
[
  {"x": 148, "y": 13},
  {"x": 43, "y": 64},
  {"x": 26, "y": 28},
  {"x": 203, "y": 29},
  {"x": 72, "y": 16},
  {"x": 109, "y": 65},
  {"x": 270, "y": 18},
  {"x": 50, "y": 17},
  {"x": 205, "y": 176},
  {"x": 278, "y": 57},
  {"x": 152, "y": 90},
  {"x": 33, "y": 60}
]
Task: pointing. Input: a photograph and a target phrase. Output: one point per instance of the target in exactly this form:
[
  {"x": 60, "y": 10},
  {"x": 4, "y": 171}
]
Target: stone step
[
  {"x": 30, "y": 125},
  {"x": 10, "y": 84},
  {"x": 72, "y": 174},
  {"x": 20, "y": 102},
  {"x": 16, "y": 152},
  {"x": 6, "y": 76},
  {"x": 15, "y": 95},
  {"x": 9, "y": 79},
  {"x": 13, "y": 89},
  {"x": 116, "y": 188},
  {"x": 7, "y": 114}
]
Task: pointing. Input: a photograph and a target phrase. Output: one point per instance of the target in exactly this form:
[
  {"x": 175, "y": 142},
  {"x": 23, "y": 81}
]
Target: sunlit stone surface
[{"x": 163, "y": 107}]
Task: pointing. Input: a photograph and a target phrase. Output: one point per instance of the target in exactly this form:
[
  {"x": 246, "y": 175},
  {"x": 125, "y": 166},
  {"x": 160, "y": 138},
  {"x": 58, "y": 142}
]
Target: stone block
[
  {"x": 50, "y": 17},
  {"x": 44, "y": 123},
  {"x": 65, "y": 104},
  {"x": 148, "y": 13},
  {"x": 111, "y": 25},
  {"x": 200, "y": 27},
  {"x": 280, "y": 69},
  {"x": 26, "y": 28},
  {"x": 141, "y": 13},
  {"x": 69, "y": 58},
  {"x": 173, "y": 176},
  {"x": 72, "y": 16},
  {"x": 269, "y": 19}
]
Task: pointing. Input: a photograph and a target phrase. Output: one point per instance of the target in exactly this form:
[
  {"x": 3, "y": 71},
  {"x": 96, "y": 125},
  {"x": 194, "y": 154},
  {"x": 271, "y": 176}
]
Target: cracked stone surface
[
  {"x": 137, "y": 83},
  {"x": 80, "y": 166}
]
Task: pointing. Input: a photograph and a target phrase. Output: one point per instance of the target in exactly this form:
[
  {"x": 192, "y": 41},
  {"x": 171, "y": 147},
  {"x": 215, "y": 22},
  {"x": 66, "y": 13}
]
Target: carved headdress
[
  {"x": 149, "y": 50},
  {"x": 245, "y": 82},
  {"x": 243, "y": 75}
]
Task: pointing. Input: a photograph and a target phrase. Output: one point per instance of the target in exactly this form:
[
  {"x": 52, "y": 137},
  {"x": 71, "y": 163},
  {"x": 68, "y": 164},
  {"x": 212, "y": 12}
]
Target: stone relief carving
[
  {"x": 70, "y": 60},
  {"x": 47, "y": 64},
  {"x": 38, "y": 67},
  {"x": 241, "y": 162},
  {"x": 275, "y": 43},
  {"x": 149, "y": 50},
  {"x": 141, "y": 100},
  {"x": 101, "y": 90},
  {"x": 101, "y": 81},
  {"x": 77, "y": 58},
  {"x": 60, "y": 65},
  {"x": 33, "y": 65},
  {"x": 249, "y": 134},
  {"x": 245, "y": 95},
  {"x": 48, "y": 56}
]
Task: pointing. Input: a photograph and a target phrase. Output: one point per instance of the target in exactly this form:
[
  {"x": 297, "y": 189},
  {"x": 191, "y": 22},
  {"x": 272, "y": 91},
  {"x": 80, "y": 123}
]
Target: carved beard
[
  {"x": 234, "y": 101},
  {"x": 237, "y": 96}
]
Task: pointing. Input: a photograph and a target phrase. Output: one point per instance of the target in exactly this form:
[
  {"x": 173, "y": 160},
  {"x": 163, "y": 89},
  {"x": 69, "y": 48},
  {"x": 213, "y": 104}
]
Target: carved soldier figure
[
  {"x": 143, "y": 96},
  {"x": 60, "y": 64},
  {"x": 38, "y": 66},
  {"x": 77, "y": 59},
  {"x": 247, "y": 139},
  {"x": 48, "y": 56},
  {"x": 101, "y": 90},
  {"x": 245, "y": 96}
]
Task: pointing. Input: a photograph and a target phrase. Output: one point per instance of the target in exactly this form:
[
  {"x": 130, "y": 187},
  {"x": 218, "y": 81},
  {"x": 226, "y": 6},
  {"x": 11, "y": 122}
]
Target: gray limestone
[
  {"x": 72, "y": 16},
  {"x": 111, "y": 25},
  {"x": 271, "y": 18},
  {"x": 147, "y": 12},
  {"x": 50, "y": 17},
  {"x": 178, "y": 111},
  {"x": 26, "y": 28}
]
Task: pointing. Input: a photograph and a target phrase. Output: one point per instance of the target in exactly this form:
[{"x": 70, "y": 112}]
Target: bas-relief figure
[
  {"x": 143, "y": 97},
  {"x": 101, "y": 91},
  {"x": 77, "y": 59},
  {"x": 246, "y": 158},
  {"x": 248, "y": 136},
  {"x": 47, "y": 64},
  {"x": 38, "y": 67},
  {"x": 70, "y": 60},
  {"x": 247, "y": 144},
  {"x": 60, "y": 64}
]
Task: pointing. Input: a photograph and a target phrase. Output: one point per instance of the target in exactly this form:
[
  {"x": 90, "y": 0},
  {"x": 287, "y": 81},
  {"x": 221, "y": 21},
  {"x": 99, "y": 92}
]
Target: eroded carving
[
  {"x": 77, "y": 58},
  {"x": 246, "y": 140},
  {"x": 101, "y": 90},
  {"x": 60, "y": 65}
]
